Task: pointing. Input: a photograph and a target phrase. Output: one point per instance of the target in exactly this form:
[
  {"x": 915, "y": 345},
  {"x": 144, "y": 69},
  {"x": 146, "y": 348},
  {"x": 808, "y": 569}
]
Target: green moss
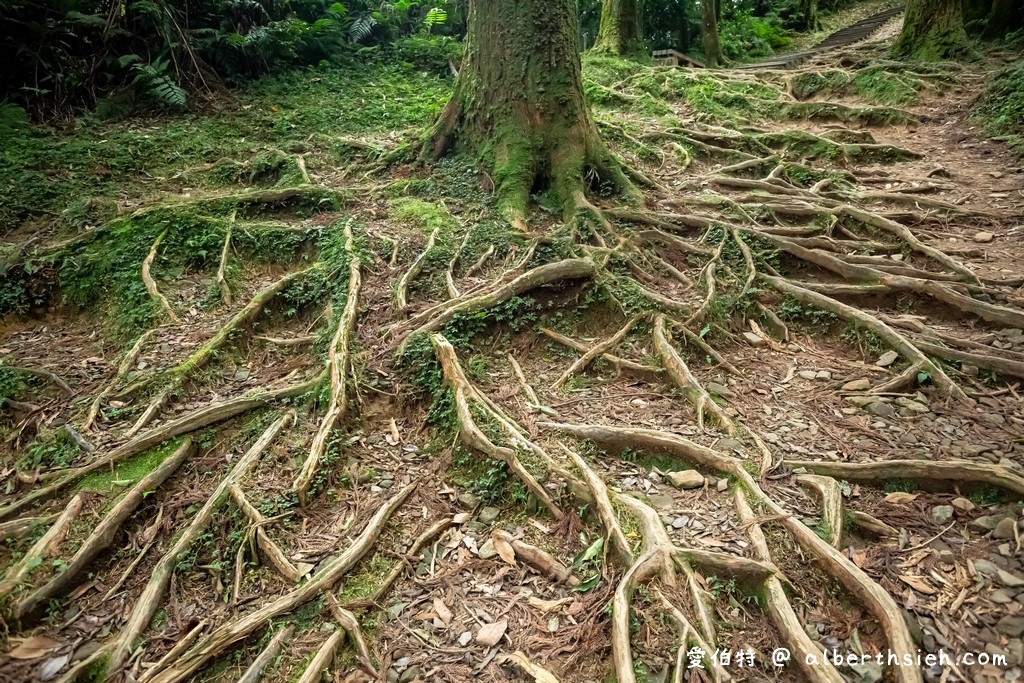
[
  {"x": 365, "y": 583},
  {"x": 127, "y": 472},
  {"x": 1002, "y": 107},
  {"x": 875, "y": 84}
]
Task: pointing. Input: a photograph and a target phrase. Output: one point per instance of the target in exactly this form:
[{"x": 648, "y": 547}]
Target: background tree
[
  {"x": 621, "y": 30},
  {"x": 518, "y": 105},
  {"x": 712, "y": 52},
  {"x": 932, "y": 30}
]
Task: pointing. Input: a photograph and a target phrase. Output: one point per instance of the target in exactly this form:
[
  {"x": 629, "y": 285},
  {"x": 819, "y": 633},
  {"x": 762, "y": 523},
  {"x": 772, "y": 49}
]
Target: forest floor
[{"x": 266, "y": 398}]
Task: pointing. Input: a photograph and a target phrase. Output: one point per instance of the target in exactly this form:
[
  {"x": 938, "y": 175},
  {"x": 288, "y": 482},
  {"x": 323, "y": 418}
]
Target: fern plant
[{"x": 156, "y": 82}]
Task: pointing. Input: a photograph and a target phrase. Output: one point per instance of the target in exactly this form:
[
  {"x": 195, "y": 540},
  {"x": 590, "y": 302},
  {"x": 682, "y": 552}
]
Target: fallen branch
[
  {"x": 256, "y": 670},
  {"x": 628, "y": 366}
]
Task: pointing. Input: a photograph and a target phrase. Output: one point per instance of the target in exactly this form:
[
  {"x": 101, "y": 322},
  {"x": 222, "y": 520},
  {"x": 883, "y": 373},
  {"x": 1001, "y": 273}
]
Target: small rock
[
  {"x": 722, "y": 485},
  {"x": 880, "y": 409},
  {"x": 729, "y": 445},
  {"x": 395, "y": 610},
  {"x": 679, "y": 522},
  {"x": 823, "y": 374},
  {"x": 1009, "y": 580},
  {"x": 867, "y": 672},
  {"x": 985, "y": 568},
  {"x": 942, "y": 513},
  {"x": 465, "y": 638},
  {"x": 1004, "y": 529},
  {"x": 807, "y": 374},
  {"x": 720, "y": 390},
  {"x": 968, "y": 369},
  {"x": 1001, "y": 597},
  {"x": 983, "y": 237},
  {"x": 487, "y": 550},
  {"x": 911, "y": 405},
  {"x": 887, "y": 359},
  {"x": 410, "y": 674},
  {"x": 468, "y": 500},
  {"x": 660, "y": 501},
  {"x": 962, "y": 505},
  {"x": 686, "y": 479},
  {"x": 1012, "y": 626},
  {"x": 857, "y": 385},
  {"x": 489, "y": 514},
  {"x": 986, "y": 523},
  {"x": 242, "y": 374},
  {"x": 753, "y": 339},
  {"x": 393, "y": 675},
  {"x": 861, "y": 401}
]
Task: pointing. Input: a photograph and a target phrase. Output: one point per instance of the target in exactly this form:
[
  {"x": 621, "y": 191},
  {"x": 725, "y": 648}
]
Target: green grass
[{"x": 1002, "y": 107}]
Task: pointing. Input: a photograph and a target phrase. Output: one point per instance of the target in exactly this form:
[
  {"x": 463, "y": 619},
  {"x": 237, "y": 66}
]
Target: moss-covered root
[
  {"x": 41, "y": 549},
  {"x": 154, "y": 293}
]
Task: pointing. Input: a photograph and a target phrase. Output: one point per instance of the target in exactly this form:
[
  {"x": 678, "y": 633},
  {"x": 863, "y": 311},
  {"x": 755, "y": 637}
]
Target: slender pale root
[
  {"x": 323, "y": 658},
  {"x": 147, "y": 279},
  {"x": 598, "y": 350},
  {"x": 262, "y": 663},
  {"x": 338, "y": 355},
  {"x": 127, "y": 363},
  {"x": 42, "y": 548},
  {"x": 831, "y": 498}
]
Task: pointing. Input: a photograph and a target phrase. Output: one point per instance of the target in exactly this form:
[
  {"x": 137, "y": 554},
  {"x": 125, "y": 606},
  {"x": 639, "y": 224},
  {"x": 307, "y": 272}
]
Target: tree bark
[
  {"x": 518, "y": 105},
  {"x": 621, "y": 31},
  {"x": 808, "y": 15},
  {"x": 932, "y": 30},
  {"x": 1005, "y": 17},
  {"x": 712, "y": 54}
]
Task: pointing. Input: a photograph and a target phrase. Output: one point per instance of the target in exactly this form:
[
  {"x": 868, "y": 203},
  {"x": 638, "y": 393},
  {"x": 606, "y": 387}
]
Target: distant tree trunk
[
  {"x": 518, "y": 105},
  {"x": 932, "y": 30},
  {"x": 808, "y": 15},
  {"x": 712, "y": 55},
  {"x": 621, "y": 31},
  {"x": 1006, "y": 16},
  {"x": 684, "y": 34}
]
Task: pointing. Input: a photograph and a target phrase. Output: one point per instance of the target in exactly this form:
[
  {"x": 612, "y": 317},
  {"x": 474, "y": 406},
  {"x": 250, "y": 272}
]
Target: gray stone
[
  {"x": 887, "y": 359},
  {"x": 1004, "y": 529},
  {"x": 729, "y": 445},
  {"x": 1002, "y": 596},
  {"x": 963, "y": 504},
  {"x": 985, "y": 568},
  {"x": 983, "y": 237},
  {"x": 1012, "y": 626},
  {"x": 942, "y": 513},
  {"x": 719, "y": 390},
  {"x": 393, "y": 676},
  {"x": 1009, "y": 580},
  {"x": 861, "y": 401},
  {"x": 468, "y": 500},
  {"x": 722, "y": 485},
  {"x": 395, "y": 610},
  {"x": 489, "y": 514},
  {"x": 867, "y": 672},
  {"x": 985, "y": 523},
  {"x": 823, "y": 374},
  {"x": 660, "y": 501},
  {"x": 911, "y": 405},
  {"x": 969, "y": 369},
  {"x": 753, "y": 339},
  {"x": 880, "y": 409},
  {"x": 410, "y": 674},
  {"x": 686, "y": 479},
  {"x": 857, "y": 385},
  {"x": 807, "y": 374},
  {"x": 679, "y": 522},
  {"x": 487, "y": 550}
]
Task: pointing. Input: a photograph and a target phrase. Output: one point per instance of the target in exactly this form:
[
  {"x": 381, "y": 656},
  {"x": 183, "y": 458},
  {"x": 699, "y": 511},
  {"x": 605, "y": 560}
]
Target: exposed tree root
[
  {"x": 159, "y": 299},
  {"x": 326, "y": 576},
  {"x": 266, "y": 658},
  {"x": 598, "y": 350},
  {"x": 275, "y": 556},
  {"x": 941, "y": 475},
  {"x": 222, "y": 282},
  {"x": 103, "y": 535},
  {"x": 350, "y": 624},
  {"x": 45, "y": 374},
  {"x": 175, "y": 652},
  {"x": 16, "y": 528},
  {"x": 522, "y": 662},
  {"x": 338, "y": 364},
  {"x": 627, "y": 366},
  {"x": 689, "y": 636},
  {"x": 684, "y": 380},
  {"x": 872, "y": 524},
  {"x": 41, "y": 549},
  {"x": 402, "y": 289},
  {"x": 780, "y": 610},
  {"x": 314, "y": 671},
  {"x": 605, "y": 512},
  {"x": 127, "y": 363},
  {"x": 831, "y": 498},
  {"x": 437, "y": 317},
  {"x": 115, "y": 652},
  {"x": 471, "y": 434},
  {"x": 537, "y": 558},
  {"x": 198, "y": 419},
  {"x": 853, "y": 579}
]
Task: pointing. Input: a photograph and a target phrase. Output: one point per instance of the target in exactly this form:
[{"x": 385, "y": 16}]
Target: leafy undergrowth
[{"x": 1002, "y": 106}]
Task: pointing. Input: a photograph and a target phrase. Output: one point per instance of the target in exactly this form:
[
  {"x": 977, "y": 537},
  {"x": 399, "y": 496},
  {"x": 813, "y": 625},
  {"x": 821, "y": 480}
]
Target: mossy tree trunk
[
  {"x": 518, "y": 105},
  {"x": 712, "y": 53},
  {"x": 621, "y": 31},
  {"x": 933, "y": 30},
  {"x": 809, "y": 15},
  {"x": 1005, "y": 17}
]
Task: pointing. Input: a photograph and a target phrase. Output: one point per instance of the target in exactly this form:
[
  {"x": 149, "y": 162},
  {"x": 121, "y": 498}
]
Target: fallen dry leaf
[
  {"x": 900, "y": 498},
  {"x": 504, "y": 549},
  {"x": 490, "y": 634},
  {"x": 443, "y": 613},
  {"x": 917, "y": 584},
  {"x": 34, "y": 647}
]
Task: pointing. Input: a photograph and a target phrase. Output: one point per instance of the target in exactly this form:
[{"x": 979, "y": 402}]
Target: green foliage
[
  {"x": 52, "y": 450},
  {"x": 745, "y": 36},
  {"x": 432, "y": 54},
  {"x": 1002, "y": 106},
  {"x": 128, "y": 472}
]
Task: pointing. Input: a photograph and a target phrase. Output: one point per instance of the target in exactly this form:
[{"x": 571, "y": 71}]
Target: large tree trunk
[
  {"x": 932, "y": 30},
  {"x": 808, "y": 15},
  {"x": 1006, "y": 16},
  {"x": 518, "y": 105},
  {"x": 712, "y": 55},
  {"x": 621, "y": 31}
]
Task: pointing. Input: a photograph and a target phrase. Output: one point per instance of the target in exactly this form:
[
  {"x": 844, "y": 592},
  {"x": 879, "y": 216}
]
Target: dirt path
[{"x": 444, "y": 513}]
